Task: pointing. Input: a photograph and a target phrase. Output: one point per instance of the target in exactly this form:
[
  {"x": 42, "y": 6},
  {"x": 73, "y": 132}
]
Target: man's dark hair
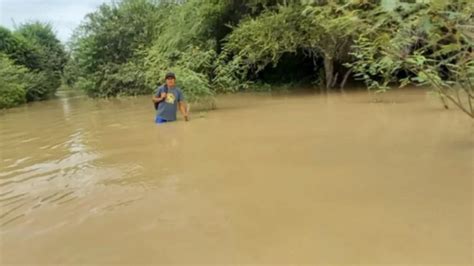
[{"x": 170, "y": 75}]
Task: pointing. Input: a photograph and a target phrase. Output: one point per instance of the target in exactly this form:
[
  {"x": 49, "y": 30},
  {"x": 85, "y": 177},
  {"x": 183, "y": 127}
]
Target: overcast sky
[{"x": 64, "y": 15}]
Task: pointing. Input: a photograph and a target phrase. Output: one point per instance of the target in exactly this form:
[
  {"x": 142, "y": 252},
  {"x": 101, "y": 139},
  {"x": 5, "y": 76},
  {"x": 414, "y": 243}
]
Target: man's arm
[
  {"x": 182, "y": 105},
  {"x": 182, "y": 109}
]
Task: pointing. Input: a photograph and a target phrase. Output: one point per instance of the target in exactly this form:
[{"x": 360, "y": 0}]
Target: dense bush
[
  {"x": 422, "y": 45},
  {"x": 17, "y": 48},
  {"x": 192, "y": 68},
  {"x": 35, "y": 47},
  {"x": 214, "y": 46},
  {"x": 107, "y": 49},
  {"x": 13, "y": 84}
]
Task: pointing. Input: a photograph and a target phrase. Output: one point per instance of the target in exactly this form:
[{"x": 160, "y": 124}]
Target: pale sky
[{"x": 64, "y": 15}]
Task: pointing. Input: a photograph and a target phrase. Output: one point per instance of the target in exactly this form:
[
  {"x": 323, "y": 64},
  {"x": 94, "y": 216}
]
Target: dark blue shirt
[{"x": 168, "y": 107}]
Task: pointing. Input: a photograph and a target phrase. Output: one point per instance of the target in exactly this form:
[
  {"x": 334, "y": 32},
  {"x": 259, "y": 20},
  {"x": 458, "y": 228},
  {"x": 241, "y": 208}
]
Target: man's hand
[
  {"x": 157, "y": 99},
  {"x": 163, "y": 96},
  {"x": 184, "y": 112}
]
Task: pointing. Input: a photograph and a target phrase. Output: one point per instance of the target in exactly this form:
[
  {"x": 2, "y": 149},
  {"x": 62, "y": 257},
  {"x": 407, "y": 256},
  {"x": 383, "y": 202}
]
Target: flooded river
[{"x": 283, "y": 178}]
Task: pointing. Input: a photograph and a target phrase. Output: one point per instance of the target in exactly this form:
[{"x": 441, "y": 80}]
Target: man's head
[{"x": 170, "y": 79}]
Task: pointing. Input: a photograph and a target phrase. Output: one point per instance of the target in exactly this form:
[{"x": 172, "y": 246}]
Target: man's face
[{"x": 170, "y": 82}]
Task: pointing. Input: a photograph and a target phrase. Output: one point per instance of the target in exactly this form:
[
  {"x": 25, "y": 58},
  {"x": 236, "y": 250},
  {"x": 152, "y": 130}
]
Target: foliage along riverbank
[
  {"x": 125, "y": 47},
  {"x": 226, "y": 46},
  {"x": 31, "y": 64}
]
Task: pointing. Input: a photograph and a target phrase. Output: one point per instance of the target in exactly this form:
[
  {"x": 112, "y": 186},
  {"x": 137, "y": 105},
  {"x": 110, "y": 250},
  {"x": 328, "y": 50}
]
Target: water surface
[{"x": 283, "y": 178}]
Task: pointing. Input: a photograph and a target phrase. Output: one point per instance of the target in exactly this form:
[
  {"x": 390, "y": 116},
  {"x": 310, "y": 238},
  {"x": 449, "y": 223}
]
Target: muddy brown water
[{"x": 283, "y": 178}]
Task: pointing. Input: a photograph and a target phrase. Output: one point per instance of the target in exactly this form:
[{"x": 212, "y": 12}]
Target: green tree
[
  {"x": 320, "y": 29},
  {"x": 12, "y": 83},
  {"x": 109, "y": 43},
  {"x": 42, "y": 36},
  {"x": 35, "y": 46},
  {"x": 189, "y": 43},
  {"x": 52, "y": 59},
  {"x": 423, "y": 45},
  {"x": 17, "y": 48}
]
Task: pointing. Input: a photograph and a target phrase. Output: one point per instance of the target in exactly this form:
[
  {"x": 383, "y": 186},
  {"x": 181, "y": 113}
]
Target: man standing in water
[{"x": 169, "y": 97}]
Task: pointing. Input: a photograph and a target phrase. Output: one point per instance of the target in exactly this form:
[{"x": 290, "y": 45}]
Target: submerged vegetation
[{"x": 220, "y": 46}]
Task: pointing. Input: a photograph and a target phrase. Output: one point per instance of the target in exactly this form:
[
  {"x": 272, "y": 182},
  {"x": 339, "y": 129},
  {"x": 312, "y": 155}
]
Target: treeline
[
  {"x": 31, "y": 64},
  {"x": 430, "y": 45},
  {"x": 218, "y": 46}
]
